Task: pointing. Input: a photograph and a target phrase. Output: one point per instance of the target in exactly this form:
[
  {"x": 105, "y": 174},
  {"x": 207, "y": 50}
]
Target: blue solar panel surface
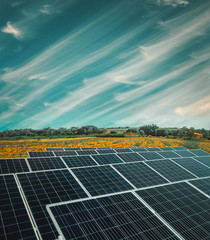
[
  {"x": 107, "y": 159},
  {"x": 13, "y": 165},
  {"x": 130, "y": 157},
  {"x": 204, "y": 159},
  {"x": 79, "y": 161}
]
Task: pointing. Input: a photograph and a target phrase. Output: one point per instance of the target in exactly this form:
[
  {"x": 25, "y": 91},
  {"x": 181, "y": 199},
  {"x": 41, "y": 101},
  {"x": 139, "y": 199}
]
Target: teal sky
[{"x": 105, "y": 63}]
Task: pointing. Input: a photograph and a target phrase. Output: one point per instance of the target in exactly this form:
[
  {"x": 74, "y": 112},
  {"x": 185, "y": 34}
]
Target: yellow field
[{"x": 16, "y": 149}]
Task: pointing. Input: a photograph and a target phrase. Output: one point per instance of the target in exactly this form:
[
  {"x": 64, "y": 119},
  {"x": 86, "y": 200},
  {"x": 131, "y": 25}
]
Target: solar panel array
[{"x": 106, "y": 193}]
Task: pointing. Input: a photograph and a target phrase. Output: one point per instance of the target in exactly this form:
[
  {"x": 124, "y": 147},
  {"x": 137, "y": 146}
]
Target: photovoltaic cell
[
  {"x": 205, "y": 160},
  {"x": 153, "y": 149},
  {"x": 14, "y": 220},
  {"x": 169, "y": 154},
  {"x": 54, "y": 149},
  {"x": 87, "y": 152},
  {"x": 120, "y": 216},
  {"x": 79, "y": 161},
  {"x": 170, "y": 170},
  {"x": 101, "y": 180},
  {"x": 45, "y": 163},
  {"x": 102, "y": 151},
  {"x": 179, "y": 148},
  {"x": 13, "y": 165},
  {"x": 193, "y": 166},
  {"x": 202, "y": 184},
  {"x": 122, "y": 150},
  {"x": 140, "y": 149},
  {"x": 130, "y": 157},
  {"x": 107, "y": 159},
  {"x": 65, "y": 153},
  {"x": 151, "y": 155},
  {"x": 88, "y": 148},
  {"x": 43, "y": 188},
  {"x": 166, "y": 148},
  {"x": 185, "y": 153},
  {"x": 41, "y": 154},
  {"x": 140, "y": 175},
  {"x": 199, "y": 152},
  {"x": 69, "y": 148},
  {"x": 183, "y": 207}
]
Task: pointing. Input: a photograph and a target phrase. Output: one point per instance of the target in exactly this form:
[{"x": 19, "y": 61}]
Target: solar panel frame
[
  {"x": 182, "y": 206},
  {"x": 79, "y": 161},
  {"x": 140, "y": 175},
  {"x": 99, "y": 180},
  {"x": 40, "y": 154},
  {"x": 45, "y": 163},
  {"x": 130, "y": 157},
  {"x": 170, "y": 170},
  {"x": 193, "y": 166},
  {"x": 13, "y": 165},
  {"x": 107, "y": 159},
  {"x": 45, "y": 187},
  {"x": 121, "y": 215},
  {"x": 15, "y": 222},
  {"x": 69, "y": 148}
]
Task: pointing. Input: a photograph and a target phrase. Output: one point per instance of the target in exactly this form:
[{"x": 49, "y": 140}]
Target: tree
[{"x": 149, "y": 129}]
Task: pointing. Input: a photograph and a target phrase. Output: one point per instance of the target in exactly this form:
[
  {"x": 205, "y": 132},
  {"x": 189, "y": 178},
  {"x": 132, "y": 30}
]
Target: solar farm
[{"x": 106, "y": 193}]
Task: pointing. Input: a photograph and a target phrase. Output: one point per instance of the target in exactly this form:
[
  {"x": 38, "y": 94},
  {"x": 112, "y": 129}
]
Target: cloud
[
  {"x": 201, "y": 107},
  {"x": 173, "y": 3},
  {"x": 11, "y": 29}
]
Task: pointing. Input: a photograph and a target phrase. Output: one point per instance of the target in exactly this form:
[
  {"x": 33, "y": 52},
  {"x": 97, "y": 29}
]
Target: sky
[{"x": 105, "y": 63}]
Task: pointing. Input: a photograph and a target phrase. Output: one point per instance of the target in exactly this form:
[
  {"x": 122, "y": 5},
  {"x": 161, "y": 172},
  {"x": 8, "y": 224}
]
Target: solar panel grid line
[
  {"x": 123, "y": 176},
  {"x": 79, "y": 182},
  {"x": 157, "y": 215},
  {"x": 201, "y": 162},
  {"x": 94, "y": 160},
  {"x": 184, "y": 168},
  {"x": 28, "y": 209},
  {"x": 141, "y": 156},
  {"x": 13, "y": 165},
  {"x": 157, "y": 172},
  {"x": 120, "y": 158},
  {"x": 198, "y": 189}
]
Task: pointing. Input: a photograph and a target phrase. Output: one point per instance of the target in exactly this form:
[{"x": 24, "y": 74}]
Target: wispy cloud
[
  {"x": 173, "y": 3},
  {"x": 11, "y": 29}
]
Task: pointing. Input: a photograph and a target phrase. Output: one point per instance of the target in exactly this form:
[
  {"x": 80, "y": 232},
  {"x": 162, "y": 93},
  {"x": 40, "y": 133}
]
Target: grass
[{"x": 19, "y": 148}]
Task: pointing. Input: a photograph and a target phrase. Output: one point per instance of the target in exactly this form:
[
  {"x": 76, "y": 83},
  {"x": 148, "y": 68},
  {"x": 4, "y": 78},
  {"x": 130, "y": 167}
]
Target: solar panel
[
  {"x": 54, "y": 149},
  {"x": 102, "y": 151},
  {"x": 179, "y": 148},
  {"x": 14, "y": 220},
  {"x": 169, "y": 154},
  {"x": 193, "y": 166},
  {"x": 151, "y": 155},
  {"x": 199, "y": 152},
  {"x": 107, "y": 159},
  {"x": 205, "y": 160},
  {"x": 45, "y": 163},
  {"x": 72, "y": 148},
  {"x": 166, "y": 148},
  {"x": 140, "y": 149},
  {"x": 153, "y": 149},
  {"x": 130, "y": 157},
  {"x": 87, "y": 152},
  {"x": 65, "y": 153},
  {"x": 41, "y": 154},
  {"x": 88, "y": 148},
  {"x": 183, "y": 207},
  {"x": 43, "y": 188},
  {"x": 120, "y": 216},
  {"x": 101, "y": 180},
  {"x": 170, "y": 170},
  {"x": 185, "y": 153},
  {"x": 13, "y": 165},
  {"x": 202, "y": 184},
  {"x": 140, "y": 175},
  {"x": 122, "y": 150},
  {"x": 79, "y": 161},
  {"x": 103, "y": 148}
]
